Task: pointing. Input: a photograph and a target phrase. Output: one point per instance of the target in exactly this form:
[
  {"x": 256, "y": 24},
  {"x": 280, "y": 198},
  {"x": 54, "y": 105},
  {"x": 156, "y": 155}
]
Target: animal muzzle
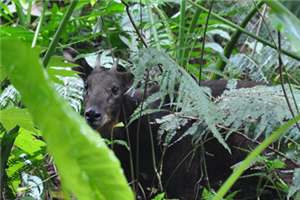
[{"x": 93, "y": 117}]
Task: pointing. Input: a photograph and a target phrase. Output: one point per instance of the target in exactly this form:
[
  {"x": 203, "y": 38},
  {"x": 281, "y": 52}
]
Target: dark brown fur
[{"x": 181, "y": 175}]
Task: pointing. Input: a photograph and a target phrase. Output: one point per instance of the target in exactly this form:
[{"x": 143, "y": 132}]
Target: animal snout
[{"x": 92, "y": 115}]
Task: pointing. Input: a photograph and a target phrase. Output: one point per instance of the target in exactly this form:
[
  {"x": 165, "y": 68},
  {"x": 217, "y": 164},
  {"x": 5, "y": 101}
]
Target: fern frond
[
  {"x": 10, "y": 97},
  {"x": 190, "y": 97},
  {"x": 71, "y": 91},
  {"x": 261, "y": 66},
  {"x": 261, "y": 110}
]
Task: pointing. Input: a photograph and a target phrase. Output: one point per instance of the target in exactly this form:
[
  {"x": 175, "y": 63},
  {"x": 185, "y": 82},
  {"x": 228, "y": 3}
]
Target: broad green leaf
[
  {"x": 293, "y": 6},
  {"x": 285, "y": 21},
  {"x": 5, "y": 15},
  {"x": 120, "y": 124},
  {"x": 61, "y": 72},
  {"x": 89, "y": 169},
  {"x": 214, "y": 46},
  {"x": 114, "y": 6},
  {"x": 16, "y": 33},
  {"x": 219, "y": 32},
  {"x": 16, "y": 116},
  {"x": 26, "y": 141},
  {"x": 56, "y": 61},
  {"x": 5, "y": 8}
]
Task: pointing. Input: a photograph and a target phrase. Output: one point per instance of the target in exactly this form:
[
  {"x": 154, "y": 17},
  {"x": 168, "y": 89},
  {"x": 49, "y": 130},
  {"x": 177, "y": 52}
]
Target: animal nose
[{"x": 92, "y": 115}]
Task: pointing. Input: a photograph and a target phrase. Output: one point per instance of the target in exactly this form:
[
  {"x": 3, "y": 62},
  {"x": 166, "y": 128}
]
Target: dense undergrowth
[{"x": 184, "y": 42}]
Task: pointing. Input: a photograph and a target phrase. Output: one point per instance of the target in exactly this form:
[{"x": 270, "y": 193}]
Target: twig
[
  {"x": 137, "y": 30},
  {"x": 282, "y": 81},
  {"x": 259, "y": 28},
  {"x": 133, "y": 24},
  {"x": 203, "y": 44},
  {"x": 279, "y": 51},
  {"x": 258, "y": 143}
]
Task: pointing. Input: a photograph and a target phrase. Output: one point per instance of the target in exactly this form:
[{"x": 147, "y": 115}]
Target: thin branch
[
  {"x": 203, "y": 43},
  {"x": 282, "y": 81},
  {"x": 259, "y": 28},
  {"x": 133, "y": 24},
  {"x": 279, "y": 51},
  {"x": 258, "y": 143}
]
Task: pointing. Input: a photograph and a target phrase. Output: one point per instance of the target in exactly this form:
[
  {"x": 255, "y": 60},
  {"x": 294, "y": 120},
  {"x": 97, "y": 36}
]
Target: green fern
[
  {"x": 191, "y": 100},
  {"x": 9, "y": 97},
  {"x": 260, "y": 110},
  {"x": 71, "y": 91},
  {"x": 261, "y": 66},
  {"x": 26, "y": 165}
]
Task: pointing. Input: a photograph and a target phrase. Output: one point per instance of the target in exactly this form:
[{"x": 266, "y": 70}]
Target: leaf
[
  {"x": 159, "y": 196},
  {"x": 219, "y": 32},
  {"x": 295, "y": 188},
  {"x": 10, "y": 97},
  {"x": 16, "y": 116},
  {"x": 4, "y": 14},
  {"x": 56, "y": 61},
  {"x": 191, "y": 99},
  {"x": 89, "y": 169},
  {"x": 120, "y": 124},
  {"x": 214, "y": 46},
  {"x": 18, "y": 33},
  {"x": 53, "y": 72},
  {"x": 283, "y": 20},
  {"x": 26, "y": 141}
]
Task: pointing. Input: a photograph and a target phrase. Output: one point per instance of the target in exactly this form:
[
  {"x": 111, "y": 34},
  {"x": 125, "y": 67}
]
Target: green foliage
[
  {"x": 294, "y": 190},
  {"x": 191, "y": 99},
  {"x": 107, "y": 24},
  {"x": 260, "y": 110},
  {"x": 9, "y": 97},
  {"x": 284, "y": 20},
  {"x": 90, "y": 172},
  {"x": 14, "y": 116},
  {"x": 260, "y": 67},
  {"x": 23, "y": 164}
]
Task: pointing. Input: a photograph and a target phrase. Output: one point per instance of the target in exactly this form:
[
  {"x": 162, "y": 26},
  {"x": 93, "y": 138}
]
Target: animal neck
[
  {"x": 130, "y": 103},
  {"x": 109, "y": 128}
]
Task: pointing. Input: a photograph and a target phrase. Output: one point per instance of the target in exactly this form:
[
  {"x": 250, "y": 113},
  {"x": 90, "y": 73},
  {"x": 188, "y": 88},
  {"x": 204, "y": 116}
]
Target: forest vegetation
[{"x": 49, "y": 152}]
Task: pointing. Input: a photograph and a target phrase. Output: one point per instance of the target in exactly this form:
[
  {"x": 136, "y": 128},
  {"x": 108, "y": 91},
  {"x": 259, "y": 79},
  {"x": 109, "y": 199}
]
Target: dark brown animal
[{"x": 106, "y": 103}]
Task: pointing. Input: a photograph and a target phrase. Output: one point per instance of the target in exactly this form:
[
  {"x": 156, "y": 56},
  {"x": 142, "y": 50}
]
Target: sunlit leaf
[
  {"x": 26, "y": 141},
  {"x": 16, "y": 116},
  {"x": 89, "y": 169}
]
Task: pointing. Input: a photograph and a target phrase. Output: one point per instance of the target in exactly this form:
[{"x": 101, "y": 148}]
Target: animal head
[{"x": 103, "y": 92}]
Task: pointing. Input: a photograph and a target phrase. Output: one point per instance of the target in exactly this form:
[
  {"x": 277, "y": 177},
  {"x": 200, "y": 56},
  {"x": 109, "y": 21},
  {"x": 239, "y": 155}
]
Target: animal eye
[
  {"x": 115, "y": 90},
  {"x": 86, "y": 87}
]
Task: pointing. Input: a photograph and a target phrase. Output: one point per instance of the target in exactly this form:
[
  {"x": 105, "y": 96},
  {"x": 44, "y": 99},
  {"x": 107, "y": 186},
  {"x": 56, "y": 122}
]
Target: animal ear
[
  {"x": 84, "y": 68},
  {"x": 127, "y": 79}
]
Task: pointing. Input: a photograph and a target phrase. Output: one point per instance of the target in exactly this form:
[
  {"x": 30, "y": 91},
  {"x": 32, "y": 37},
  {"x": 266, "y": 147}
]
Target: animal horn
[
  {"x": 98, "y": 64},
  {"x": 114, "y": 66}
]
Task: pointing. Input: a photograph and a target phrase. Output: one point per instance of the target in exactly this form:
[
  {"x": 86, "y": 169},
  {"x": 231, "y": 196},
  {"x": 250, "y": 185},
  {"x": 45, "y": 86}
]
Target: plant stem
[
  {"x": 191, "y": 30},
  {"x": 203, "y": 43},
  {"x": 39, "y": 24},
  {"x": 153, "y": 28},
  {"x": 21, "y": 15},
  {"x": 240, "y": 29},
  {"x": 181, "y": 33},
  {"x": 133, "y": 24},
  {"x": 5, "y": 148},
  {"x": 59, "y": 32},
  {"x": 234, "y": 176},
  {"x": 28, "y": 16},
  {"x": 220, "y": 65},
  {"x": 168, "y": 29}
]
